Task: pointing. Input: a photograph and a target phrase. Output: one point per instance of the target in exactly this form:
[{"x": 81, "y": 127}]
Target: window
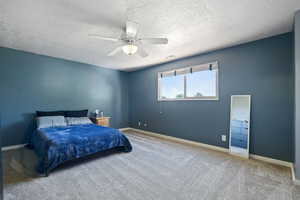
[
  {"x": 192, "y": 83},
  {"x": 172, "y": 87}
]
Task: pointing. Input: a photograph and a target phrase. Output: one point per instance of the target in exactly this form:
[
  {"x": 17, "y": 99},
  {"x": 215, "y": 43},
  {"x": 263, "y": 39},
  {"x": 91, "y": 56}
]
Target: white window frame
[{"x": 213, "y": 98}]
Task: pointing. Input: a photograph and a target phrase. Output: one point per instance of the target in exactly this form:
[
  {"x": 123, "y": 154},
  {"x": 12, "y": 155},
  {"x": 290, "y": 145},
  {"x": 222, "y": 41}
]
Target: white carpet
[{"x": 155, "y": 170}]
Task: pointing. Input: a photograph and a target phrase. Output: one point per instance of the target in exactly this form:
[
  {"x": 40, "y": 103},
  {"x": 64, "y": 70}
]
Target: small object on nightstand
[
  {"x": 103, "y": 121},
  {"x": 96, "y": 113}
]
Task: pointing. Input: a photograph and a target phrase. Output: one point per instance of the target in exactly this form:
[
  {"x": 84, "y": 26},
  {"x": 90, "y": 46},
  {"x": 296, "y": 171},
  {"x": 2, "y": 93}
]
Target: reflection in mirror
[{"x": 240, "y": 125}]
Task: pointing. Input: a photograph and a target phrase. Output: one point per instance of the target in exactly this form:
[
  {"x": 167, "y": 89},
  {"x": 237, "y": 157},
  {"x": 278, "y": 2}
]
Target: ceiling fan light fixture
[{"x": 129, "y": 49}]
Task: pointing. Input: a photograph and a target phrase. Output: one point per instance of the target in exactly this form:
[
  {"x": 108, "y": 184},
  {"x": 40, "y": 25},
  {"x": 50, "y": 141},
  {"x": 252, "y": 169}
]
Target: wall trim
[
  {"x": 12, "y": 147},
  {"x": 179, "y": 140},
  {"x": 295, "y": 180},
  {"x": 272, "y": 160},
  {"x": 124, "y": 129},
  {"x": 222, "y": 149}
]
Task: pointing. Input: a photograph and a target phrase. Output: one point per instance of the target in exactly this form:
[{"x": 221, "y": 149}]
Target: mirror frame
[{"x": 246, "y": 154}]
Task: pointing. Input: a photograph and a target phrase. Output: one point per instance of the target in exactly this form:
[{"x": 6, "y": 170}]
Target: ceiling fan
[{"x": 131, "y": 42}]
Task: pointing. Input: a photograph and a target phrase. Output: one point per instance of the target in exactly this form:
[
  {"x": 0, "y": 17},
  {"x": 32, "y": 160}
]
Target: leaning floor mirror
[{"x": 240, "y": 125}]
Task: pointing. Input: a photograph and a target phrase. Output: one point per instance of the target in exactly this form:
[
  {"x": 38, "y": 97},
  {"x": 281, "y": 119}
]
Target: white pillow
[
  {"x": 51, "y": 121},
  {"x": 78, "y": 120}
]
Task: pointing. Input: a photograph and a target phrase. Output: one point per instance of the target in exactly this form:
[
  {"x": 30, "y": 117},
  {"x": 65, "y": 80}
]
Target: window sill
[{"x": 191, "y": 99}]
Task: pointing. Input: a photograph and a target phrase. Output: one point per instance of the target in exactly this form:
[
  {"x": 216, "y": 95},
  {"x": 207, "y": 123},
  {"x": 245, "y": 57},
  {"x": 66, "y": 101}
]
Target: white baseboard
[
  {"x": 272, "y": 161},
  {"x": 7, "y": 148},
  {"x": 179, "y": 140},
  {"x": 212, "y": 147},
  {"x": 295, "y": 181},
  {"x": 124, "y": 129}
]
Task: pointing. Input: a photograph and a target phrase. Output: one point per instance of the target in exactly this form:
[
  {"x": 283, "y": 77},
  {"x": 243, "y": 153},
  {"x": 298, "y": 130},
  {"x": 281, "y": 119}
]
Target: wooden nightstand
[{"x": 102, "y": 121}]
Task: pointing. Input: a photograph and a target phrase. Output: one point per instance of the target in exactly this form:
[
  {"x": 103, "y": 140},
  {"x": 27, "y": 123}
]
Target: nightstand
[{"x": 102, "y": 121}]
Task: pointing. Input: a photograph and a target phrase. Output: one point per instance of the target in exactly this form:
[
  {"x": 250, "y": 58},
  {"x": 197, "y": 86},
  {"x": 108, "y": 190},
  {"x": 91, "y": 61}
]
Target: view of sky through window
[
  {"x": 172, "y": 87},
  {"x": 198, "y": 84},
  {"x": 202, "y": 83}
]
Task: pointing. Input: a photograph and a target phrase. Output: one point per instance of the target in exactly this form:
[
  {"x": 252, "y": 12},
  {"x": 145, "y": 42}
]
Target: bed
[{"x": 57, "y": 145}]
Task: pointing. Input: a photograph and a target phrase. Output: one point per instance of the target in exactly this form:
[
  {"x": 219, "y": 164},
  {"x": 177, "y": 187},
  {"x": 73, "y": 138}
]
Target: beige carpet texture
[{"x": 156, "y": 169}]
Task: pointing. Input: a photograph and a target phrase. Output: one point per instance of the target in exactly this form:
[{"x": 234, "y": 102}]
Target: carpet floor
[{"x": 155, "y": 170}]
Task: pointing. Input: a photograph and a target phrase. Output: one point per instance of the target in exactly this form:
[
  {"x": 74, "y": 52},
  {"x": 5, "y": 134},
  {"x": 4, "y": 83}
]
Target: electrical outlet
[
  {"x": 139, "y": 123},
  {"x": 224, "y": 138}
]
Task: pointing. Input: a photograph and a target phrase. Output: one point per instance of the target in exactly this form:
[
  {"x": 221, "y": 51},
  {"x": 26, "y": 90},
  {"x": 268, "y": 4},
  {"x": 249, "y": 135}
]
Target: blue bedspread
[{"x": 55, "y": 146}]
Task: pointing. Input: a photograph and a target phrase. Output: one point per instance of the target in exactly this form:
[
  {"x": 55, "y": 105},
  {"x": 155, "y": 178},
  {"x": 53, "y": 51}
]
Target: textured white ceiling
[{"x": 60, "y": 28}]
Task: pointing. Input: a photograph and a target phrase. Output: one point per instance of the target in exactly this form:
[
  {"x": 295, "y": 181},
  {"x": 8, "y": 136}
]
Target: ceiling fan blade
[
  {"x": 131, "y": 29},
  {"x": 141, "y": 52},
  {"x": 155, "y": 40},
  {"x": 115, "y": 51},
  {"x": 104, "y": 38}
]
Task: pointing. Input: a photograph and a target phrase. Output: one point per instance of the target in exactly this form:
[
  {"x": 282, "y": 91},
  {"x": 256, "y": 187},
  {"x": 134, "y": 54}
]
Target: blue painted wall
[
  {"x": 30, "y": 82},
  {"x": 297, "y": 93},
  {"x": 262, "y": 68}
]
